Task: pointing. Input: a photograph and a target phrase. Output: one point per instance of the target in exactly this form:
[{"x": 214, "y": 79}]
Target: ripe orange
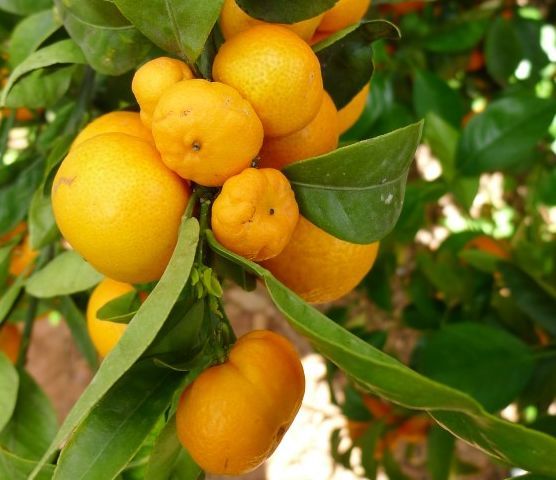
[
  {"x": 234, "y": 20},
  {"x": 320, "y": 136},
  {"x": 255, "y": 214},
  {"x": 119, "y": 206},
  {"x": 344, "y": 14},
  {"x": 10, "y": 341},
  {"x": 277, "y": 73},
  {"x": 349, "y": 115},
  {"x": 234, "y": 415},
  {"x": 22, "y": 257},
  {"x": 206, "y": 131},
  {"x": 403, "y": 8},
  {"x": 476, "y": 61},
  {"x": 319, "y": 267},
  {"x": 115, "y": 122},
  {"x": 489, "y": 245},
  {"x": 104, "y": 334},
  {"x": 152, "y": 79}
]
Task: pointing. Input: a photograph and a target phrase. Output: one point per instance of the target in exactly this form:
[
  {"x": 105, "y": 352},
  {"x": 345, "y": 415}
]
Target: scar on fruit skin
[{"x": 63, "y": 181}]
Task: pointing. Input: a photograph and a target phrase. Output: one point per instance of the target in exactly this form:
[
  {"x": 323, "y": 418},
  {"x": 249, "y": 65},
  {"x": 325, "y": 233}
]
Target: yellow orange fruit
[
  {"x": 234, "y": 20},
  {"x": 10, "y": 341},
  {"x": 104, "y": 334},
  {"x": 234, "y": 415},
  {"x": 151, "y": 81},
  {"x": 206, "y": 131},
  {"x": 277, "y": 73},
  {"x": 319, "y": 267},
  {"x": 23, "y": 256},
  {"x": 484, "y": 243},
  {"x": 344, "y": 14},
  {"x": 349, "y": 114},
  {"x": 115, "y": 122},
  {"x": 119, "y": 206},
  {"x": 320, "y": 136},
  {"x": 255, "y": 214}
]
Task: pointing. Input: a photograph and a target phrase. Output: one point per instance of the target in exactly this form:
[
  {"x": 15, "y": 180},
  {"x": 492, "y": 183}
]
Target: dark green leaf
[
  {"x": 456, "y": 36},
  {"x": 24, "y": 7},
  {"x": 108, "y": 438},
  {"x": 391, "y": 467},
  {"x": 10, "y": 296},
  {"x": 285, "y": 11},
  {"x": 181, "y": 28},
  {"x": 33, "y": 423},
  {"x": 67, "y": 273},
  {"x": 368, "y": 443},
  {"x": 110, "y": 43},
  {"x": 483, "y": 261},
  {"x": 443, "y": 140},
  {"x": 42, "y": 226},
  {"x": 13, "y": 467},
  {"x": 347, "y": 58},
  {"x": 140, "y": 332},
  {"x": 120, "y": 309},
  {"x": 505, "y": 134},
  {"x": 440, "y": 453},
  {"x": 9, "y": 382},
  {"x": 502, "y": 50},
  {"x": 356, "y": 193},
  {"x": 530, "y": 297},
  {"x": 30, "y": 33},
  {"x": 469, "y": 356}
]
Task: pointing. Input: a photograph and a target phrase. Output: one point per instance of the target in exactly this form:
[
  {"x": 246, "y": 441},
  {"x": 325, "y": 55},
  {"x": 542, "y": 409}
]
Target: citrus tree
[{"x": 172, "y": 148}]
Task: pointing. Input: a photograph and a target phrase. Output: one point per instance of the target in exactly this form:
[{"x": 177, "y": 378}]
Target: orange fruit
[
  {"x": 319, "y": 267},
  {"x": 277, "y": 73},
  {"x": 104, "y": 334},
  {"x": 17, "y": 230},
  {"x": 320, "y": 136},
  {"x": 356, "y": 429},
  {"x": 206, "y": 131},
  {"x": 10, "y": 341},
  {"x": 255, "y": 214},
  {"x": 489, "y": 245},
  {"x": 233, "y": 416},
  {"x": 476, "y": 61},
  {"x": 22, "y": 257},
  {"x": 151, "y": 81},
  {"x": 234, "y": 20},
  {"x": 348, "y": 115},
  {"x": 115, "y": 122},
  {"x": 344, "y": 14},
  {"x": 403, "y": 8},
  {"x": 119, "y": 206}
]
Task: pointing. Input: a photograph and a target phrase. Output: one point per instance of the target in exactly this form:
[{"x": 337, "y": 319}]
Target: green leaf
[
  {"x": 67, "y": 273},
  {"x": 64, "y": 51},
  {"x": 378, "y": 373},
  {"x": 33, "y": 423},
  {"x": 368, "y": 443},
  {"x": 285, "y": 11},
  {"x": 179, "y": 27},
  {"x": 9, "y": 383},
  {"x": 456, "y": 36},
  {"x": 78, "y": 327},
  {"x": 24, "y": 7},
  {"x": 505, "y": 134},
  {"x": 530, "y": 297},
  {"x": 30, "y": 33},
  {"x": 468, "y": 356},
  {"x": 42, "y": 226},
  {"x": 112, "y": 433},
  {"x": 121, "y": 309},
  {"x": 443, "y": 140},
  {"x": 110, "y": 43},
  {"x": 391, "y": 467},
  {"x": 431, "y": 94},
  {"x": 10, "y": 296},
  {"x": 13, "y": 467},
  {"x": 140, "y": 332},
  {"x": 440, "y": 453},
  {"x": 356, "y": 193},
  {"x": 347, "y": 58},
  {"x": 483, "y": 261}
]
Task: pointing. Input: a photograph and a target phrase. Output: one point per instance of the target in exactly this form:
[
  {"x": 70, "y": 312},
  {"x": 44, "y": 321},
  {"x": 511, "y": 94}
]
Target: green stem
[
  {"x": 27, "y": 330},
  {"x": 85, "y": 97},
  {"x": 192, "y": 204},
  {"x": 204, "y": 221},
  {"x": 6, "y": 127}
]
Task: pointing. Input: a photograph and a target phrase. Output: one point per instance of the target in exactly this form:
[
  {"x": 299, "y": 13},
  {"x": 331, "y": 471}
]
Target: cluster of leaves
[
  {"x": 73, "y": 60},
  {"x": 472, "y": 277}
]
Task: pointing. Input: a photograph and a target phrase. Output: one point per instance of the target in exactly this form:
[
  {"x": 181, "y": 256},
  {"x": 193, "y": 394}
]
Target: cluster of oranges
[{"x": 119, "y": 196}]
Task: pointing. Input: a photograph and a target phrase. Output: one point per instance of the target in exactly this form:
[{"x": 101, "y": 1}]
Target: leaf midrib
[{"x": 316, "y": 186}]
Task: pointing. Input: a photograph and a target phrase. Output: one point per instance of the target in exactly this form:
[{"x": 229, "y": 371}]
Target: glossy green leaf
[
  {"x": 502, "y": 50},
  {"x": 139, "y": 334},
  {"x": 356, "y": 193},
  {"x": 177, "y": 26},
  {"x": 285, "y": 11},
  {"x": 432, "y": 94},
  {"x": 30, "y": 33},
  {"x": 24, "y": 7},
  {"x": 468, "y": 356},
  {"x": 9, "y": 383},
  {"x": 368, "y": 444},
  {"x": 64, "y": 51},
  {"x": 530, "y": 297},
  {"x": 347, "y": 58},
  {"x": 10, "y": 296},
  {"x": 13, "y": 467},
  {"x": 381, "y": 374},
  {"x": 443, "y": 140},
  {"x": 121, "y": 309},
  {"x": 109, "y": 42},
  {"x": 67, "y": 273},
  {"x": 505, "y": 134},
  {"x": 42, "y": 226},
  {"x": 111, "y": 434},
  {"x": 456, "y": 36},
  {"x": 33, "y": 423},
  {"x": 440, "y": 453}
]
